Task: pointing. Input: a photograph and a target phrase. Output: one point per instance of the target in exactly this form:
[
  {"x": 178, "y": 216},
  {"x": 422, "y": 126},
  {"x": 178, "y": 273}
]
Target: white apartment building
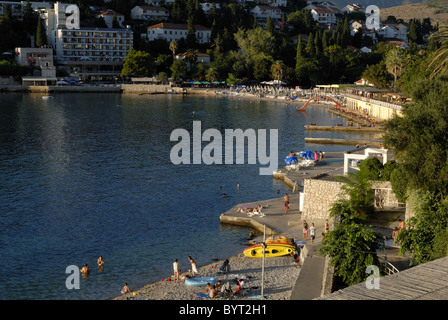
[
  {"x": 42, "y": 63},
  {"x": 273, "y": 3},
  {"x": 18, "y": 8},
  {"x": 324, "y": 16},
  {"x": 207, "y": 6},
  {"x": 394, "y": 31},
  {"x": 86, "y": 52},
  {"x": 261, "y": 14},
  {"x": 149, "y": 13},
  {"x": 158, "y": 3},
  {"x": 176, "y": 31}
]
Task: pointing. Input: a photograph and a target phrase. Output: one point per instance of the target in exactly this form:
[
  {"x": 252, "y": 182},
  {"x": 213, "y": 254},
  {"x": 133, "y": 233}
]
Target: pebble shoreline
[{"x": 280, "y": 274}]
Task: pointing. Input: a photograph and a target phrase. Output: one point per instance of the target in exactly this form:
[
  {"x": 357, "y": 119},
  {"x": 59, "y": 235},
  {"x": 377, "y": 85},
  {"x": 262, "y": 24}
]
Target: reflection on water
[{"x": 84, "y": 175}]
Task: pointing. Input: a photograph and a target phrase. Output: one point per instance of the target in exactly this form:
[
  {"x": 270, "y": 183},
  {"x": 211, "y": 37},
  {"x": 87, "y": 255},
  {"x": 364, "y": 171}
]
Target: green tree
[
  {"x": 178, "y": 70},
  {"x": 173, "y": 48},
  {"x": 41, "y": 37},
  {"x": 277, "y": 70},
  {"x": 346, "y": 38},
  {"x": 257, "y": 47},
  {"x": 439, "y": 61},
  {"x": 191, "y": 34},
  {"x": 351, "y": 248},
  {"x": 351, "y": 245},
  {"x": 377, "y": 74},
  {"x": 419, "y": 138},
  {"x": 262, "y": 64},
  {"x": 395, "y": 62},
  {"x": 425, "y": 236},
  {"x": 211, "y": 74},
  {"x": 137, "y": 64}
]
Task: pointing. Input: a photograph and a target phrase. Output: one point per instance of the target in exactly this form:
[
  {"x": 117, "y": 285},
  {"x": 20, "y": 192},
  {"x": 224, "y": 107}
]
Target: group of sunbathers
[
  {"x": 249, "y": 210},
  {"x": 216, "y": 290}
]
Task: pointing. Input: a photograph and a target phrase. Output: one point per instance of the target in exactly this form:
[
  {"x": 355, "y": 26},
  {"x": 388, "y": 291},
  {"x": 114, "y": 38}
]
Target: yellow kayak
[{"x": 271, "y": 250}]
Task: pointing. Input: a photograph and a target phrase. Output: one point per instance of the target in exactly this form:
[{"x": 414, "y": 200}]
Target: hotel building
[{"x": 86, "y": 53}]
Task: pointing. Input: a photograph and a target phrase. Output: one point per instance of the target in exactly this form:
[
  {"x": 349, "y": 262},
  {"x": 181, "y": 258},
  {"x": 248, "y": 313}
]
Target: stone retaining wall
[{"x": 318, "y": 198}]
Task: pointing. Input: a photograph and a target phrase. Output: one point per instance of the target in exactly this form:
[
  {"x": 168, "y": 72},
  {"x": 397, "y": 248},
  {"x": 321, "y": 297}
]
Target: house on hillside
[
  {"x": 176, "y": 31},
  {"x": 354, "y": 7},
  {"x": 394, "y": 31},
  {"x": 261, "y": 14},
  {"x": 200, "y": 57},
  {"x": 272, "y": 3},
  {"x": 149, "y": 13},
  {"x": 324, "y": 16}
]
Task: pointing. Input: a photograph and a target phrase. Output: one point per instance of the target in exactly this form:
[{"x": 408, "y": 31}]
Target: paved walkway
[{"x": 310, "y": 281}]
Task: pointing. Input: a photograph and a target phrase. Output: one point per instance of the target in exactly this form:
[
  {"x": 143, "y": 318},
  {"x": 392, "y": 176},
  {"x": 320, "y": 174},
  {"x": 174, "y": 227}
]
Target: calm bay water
[{"x": 84, "y": 175}]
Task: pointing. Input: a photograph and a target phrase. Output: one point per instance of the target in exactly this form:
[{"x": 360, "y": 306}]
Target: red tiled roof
[
  {"x": 323, "y": 11},
  {"x": 151, "y": 8},
  {"x": 179, "y": 26},
  {"x": 111, "y": 12}
]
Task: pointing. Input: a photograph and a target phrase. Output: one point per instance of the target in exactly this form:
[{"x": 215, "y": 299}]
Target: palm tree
[
  {"x": 277, "y": 70},
  {"x": 395, "y": 63},
  {"x": 439, "y": 62},
  {"x": 217, "y": 42},
  {"x": 190, "y": 57},
  {"x": 212, "y": 74},
  {"x": 173, "y": 47}
]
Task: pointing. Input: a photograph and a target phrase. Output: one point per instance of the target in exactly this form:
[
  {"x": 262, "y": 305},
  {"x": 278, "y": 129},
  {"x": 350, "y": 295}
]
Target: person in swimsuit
[
  {"x": 125, "y": 289},
  {"x": 194, "y": 266},
  {"x": 85, "y": 270},
  {"x": 176, "y": 270},
  {"x": 286, "y": 205}
]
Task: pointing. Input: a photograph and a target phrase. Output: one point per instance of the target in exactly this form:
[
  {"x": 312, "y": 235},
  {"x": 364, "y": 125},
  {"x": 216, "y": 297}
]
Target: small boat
[
  {"x": 271, "y": 250},
  {"x": 47, "y": 97},
  {"x": 200, "y": 281}
]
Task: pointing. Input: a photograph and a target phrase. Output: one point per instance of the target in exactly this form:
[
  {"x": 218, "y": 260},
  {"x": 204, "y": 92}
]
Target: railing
[
  {"x": 388, "y": 267},
  {"x": 374, "y": 101}
]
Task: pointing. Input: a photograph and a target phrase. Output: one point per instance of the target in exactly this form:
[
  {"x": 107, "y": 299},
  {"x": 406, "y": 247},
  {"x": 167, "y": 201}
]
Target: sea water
[{"x": 89, "y": 175}]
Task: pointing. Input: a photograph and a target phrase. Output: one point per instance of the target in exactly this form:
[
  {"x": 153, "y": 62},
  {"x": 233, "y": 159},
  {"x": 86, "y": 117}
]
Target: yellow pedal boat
[{"x": 271, "y": 250}]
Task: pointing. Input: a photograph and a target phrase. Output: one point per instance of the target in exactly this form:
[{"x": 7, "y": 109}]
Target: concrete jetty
[
  {"x": 374, "y": 143},
  {"x": 344, "y": 128}
]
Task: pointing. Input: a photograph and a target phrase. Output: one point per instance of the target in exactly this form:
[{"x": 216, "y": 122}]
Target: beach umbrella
[{"x": 205, "y": 82}]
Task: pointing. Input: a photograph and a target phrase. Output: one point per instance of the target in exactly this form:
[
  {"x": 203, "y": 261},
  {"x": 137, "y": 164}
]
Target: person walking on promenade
[
  {"x": 305, "y": 230},
  {"x": 326, "y": 229},
  {"x": 286, "y": 200},
  {"x": 312, "y": 233}
]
